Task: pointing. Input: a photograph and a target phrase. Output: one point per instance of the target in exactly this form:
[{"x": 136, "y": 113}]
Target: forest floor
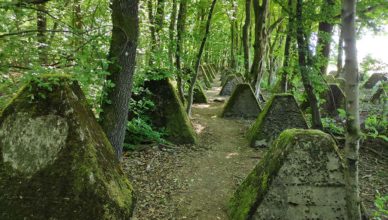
[{"x": 196, "y": 182}]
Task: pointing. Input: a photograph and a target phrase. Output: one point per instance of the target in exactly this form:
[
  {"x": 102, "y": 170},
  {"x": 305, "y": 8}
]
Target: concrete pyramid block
[
  {"x": 242, "y": 103},
  {"x": 55, "y": 160},
  {"x": 281, "y": 112},
  {"x": 230, "y": 84},
  {"x": 334, "y": 100},
  {"x": 169, "y": 112},
  {"x": 300, "y": 177},
  {"x": 199, "y": 95}
]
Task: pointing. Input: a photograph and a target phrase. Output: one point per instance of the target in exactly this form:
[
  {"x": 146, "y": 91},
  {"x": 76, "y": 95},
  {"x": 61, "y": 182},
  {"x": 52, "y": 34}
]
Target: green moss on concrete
[
  {"x": 199, "y": 94},
  {"x": 211, "y": 72},
  {"x": 253, "y": 189},
  {"x": 242, "y": 103},
  {"x": 81, "y": 179},
  {"x": 205, "y": 78},
  {"x": 341, "y": 82},
  {"x": 330, "y": 79},
  {"x": 169, "y": 112},
  {"x": 281, "y": 112}
]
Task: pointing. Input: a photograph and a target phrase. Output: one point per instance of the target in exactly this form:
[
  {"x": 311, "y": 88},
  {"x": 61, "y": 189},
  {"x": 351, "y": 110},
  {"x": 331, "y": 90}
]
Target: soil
[{"x": 197, "y": 181}]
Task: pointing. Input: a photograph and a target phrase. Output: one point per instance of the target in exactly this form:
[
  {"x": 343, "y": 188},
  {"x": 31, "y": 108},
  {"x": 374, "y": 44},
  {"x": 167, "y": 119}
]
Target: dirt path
[
  {"x": 196, "y": 182},
  {"x": 214, "y": 174}
]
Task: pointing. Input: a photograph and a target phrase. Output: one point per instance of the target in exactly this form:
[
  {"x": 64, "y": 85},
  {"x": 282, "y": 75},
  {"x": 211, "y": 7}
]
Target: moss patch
[
  {"x": 281, "y": 112},
  {"x": 242, "y": 103},
  {"x": 281, "y": 166},
  {"x": 169, "y": 112},
  {"x": 68, "y": 169}
]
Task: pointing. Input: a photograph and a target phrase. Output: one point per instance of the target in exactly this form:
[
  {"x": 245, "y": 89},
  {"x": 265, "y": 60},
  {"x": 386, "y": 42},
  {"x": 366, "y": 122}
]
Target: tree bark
[
  {"x": 352, "y": 110},
  {"x": 171, "y": 31},
  {"x": 260, "y": 46},
  {"x": 304, "y": 68},
  {"x": 122, "y": 57},
  {"x": 199, "y": 56},
  {"x": 325, "y": 33},
  {"x": 179, "y": 47},
  {"x": 340, "y": 53},
  {"x": 233, "y": 31},
  {"x": 245, "y": 39},
  {"x": 287, "y": 47},
  {"x": 41, "y": 24}
]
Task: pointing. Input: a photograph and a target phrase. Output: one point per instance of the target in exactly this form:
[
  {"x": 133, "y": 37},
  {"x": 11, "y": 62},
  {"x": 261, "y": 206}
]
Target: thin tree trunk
[
  {"x": 245, "y": 39},
  {"x": 159, "y": 19},
  {"x": 171, "y": 30},
  {"x": 352, "y": 110},
  {"x": 287, "y": 47},
  {"x": 325, "y": 33},
  {"x": 304, "y": 69},
  {"x": 122, "y": 56},
  {"x": 152, "y": 31},
  {"x": 41, "y": 24},
  {"x": 77, "y": 23},
  {"x": 199, "y": 56},
  {"x": 340, "y": 53},
  {"x": 179, "y": 47}
]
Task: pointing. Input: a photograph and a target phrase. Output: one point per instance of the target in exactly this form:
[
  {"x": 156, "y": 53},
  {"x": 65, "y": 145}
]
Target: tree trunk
[
  {"x": 198, "y": 61},
  {"x": 304, "y": 69},
  {"x": 287, "y": 47},
  {"x": 179, "y": 47},
  {"x": 171, "y": 31},
  {"x": 122, "y": 57},
  {"x": 340, "y": 53},
  {"x": 159, "y": 19},
  {"x": 352, "y": 109},
  {"x": 41, "y": 24},
  {"x": 152, "y": 31},
  {"x": 77, "y": 39},
  {"x": 260, "y": 46},
  {"x": 245, "y": 39},
  {"x": 325, "y": 33}
]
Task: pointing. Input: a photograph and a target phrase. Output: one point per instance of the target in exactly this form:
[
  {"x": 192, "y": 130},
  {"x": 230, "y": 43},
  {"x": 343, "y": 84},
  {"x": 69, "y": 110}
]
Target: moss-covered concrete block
[
  {"x": 55, "y": 160},
  {"x": 334, "y": 99},
  {"x": 300, "y": 177},
  {"x": 281, "y": 112},
  {"x": 211, "y": 71},
  {"x": 242, "y": 103},
  {"x": 341, "y": 82},
  {"x": 169, "y": 112},
  {"x": 204, "y": 77},
  {"x": 214, "y": 70},
  {"x": 374, "y": 79},
  {"x": 329, "y": 78},
  {"x": 230, "y": 84},
  {"x": 199, "y": 95}
]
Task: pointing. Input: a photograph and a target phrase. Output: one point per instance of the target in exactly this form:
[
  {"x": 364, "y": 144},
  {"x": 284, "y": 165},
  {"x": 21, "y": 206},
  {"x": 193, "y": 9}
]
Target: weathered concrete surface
[
  {"x": 334, "y": 100},
  {"x": 374, "y": 79},
  {"x": 55, "y": 160},
  {"x": 281, "y": 112},
  {"x": 199, "y": 95},
  {"x": 230, "y": 84},
  {"x": 242, "y": 103},
  {"x": 169, "y": 112},
  {"x": 300, "y": 177}
]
